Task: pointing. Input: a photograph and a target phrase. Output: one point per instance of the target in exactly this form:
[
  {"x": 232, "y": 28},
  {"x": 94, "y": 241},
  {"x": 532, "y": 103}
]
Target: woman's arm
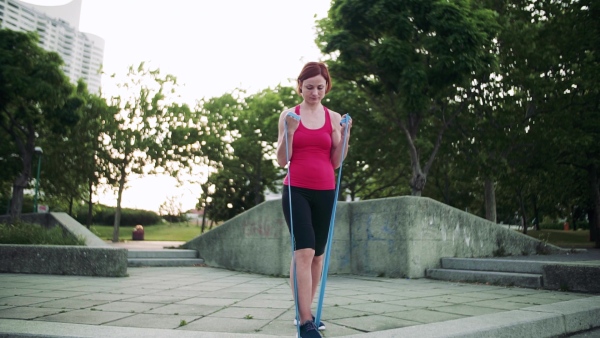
[
  {"x": 337, "y": 139},
  {"x": 292, "y": 125}
]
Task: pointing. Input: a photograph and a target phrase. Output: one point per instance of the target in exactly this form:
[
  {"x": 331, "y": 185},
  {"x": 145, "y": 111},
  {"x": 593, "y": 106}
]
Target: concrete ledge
[
  {"x": 97, "y": 258},
  {"x": 391, "y": 237},
  {"x": 63, "y": 260},
  {"x": 526, "y": 280},
  {"x": 77, "y": 230},
  {"x": 495, "y": 264},
  {"x": 552, "y": 320},
  {"x": 572, "y": 277}
]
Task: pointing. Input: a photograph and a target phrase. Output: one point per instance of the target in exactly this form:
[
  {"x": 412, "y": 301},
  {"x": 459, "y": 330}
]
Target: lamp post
[{"x": 39, "y": 152}]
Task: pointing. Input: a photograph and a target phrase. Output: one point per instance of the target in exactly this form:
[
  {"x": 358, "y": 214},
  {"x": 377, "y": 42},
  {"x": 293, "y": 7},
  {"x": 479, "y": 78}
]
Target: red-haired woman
[{"x": 314, "y": 149}]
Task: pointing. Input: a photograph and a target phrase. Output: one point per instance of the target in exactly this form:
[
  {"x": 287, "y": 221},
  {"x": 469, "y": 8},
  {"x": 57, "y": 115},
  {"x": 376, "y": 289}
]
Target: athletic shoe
[
  {"x": 321, "y": 325},
  {"x": 309, "y": 330}
]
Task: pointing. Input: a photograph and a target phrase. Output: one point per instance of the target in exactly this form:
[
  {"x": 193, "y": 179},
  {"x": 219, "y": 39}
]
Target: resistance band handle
[
  {"x": 345, "y": 119},
  {"x": 293, "y": 115}
]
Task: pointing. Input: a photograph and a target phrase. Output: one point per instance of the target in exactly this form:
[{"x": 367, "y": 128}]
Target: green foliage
[
  {"x": 76, "y": 160},
  {"x": 148, "y": 131},
  {"x": 239, "y": 137},
  {"x": 105, "y": 215},
  {"x": 560, "y": 226},
  {"x": 35, "y": 234},
  {"x": 414, "y": 61},
  {"x": 37, "y": 102}
]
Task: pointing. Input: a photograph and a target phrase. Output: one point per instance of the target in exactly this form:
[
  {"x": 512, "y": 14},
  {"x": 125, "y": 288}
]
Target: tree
[
  {"x": 240, "y": 136},
  {"x": 36, "y": 101},
  {"x": 570, "y": 119},
  {"x": 372, "y": 168},
  {"x": 75, "y": 161},
  {"x": 414, "y": 60},
  {"x": 171, "y": 210},
  {"x": 150, "y": 132}
]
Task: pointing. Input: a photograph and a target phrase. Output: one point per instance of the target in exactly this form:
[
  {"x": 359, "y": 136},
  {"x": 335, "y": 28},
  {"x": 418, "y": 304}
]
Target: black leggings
[{"x": 311, "y": 210}]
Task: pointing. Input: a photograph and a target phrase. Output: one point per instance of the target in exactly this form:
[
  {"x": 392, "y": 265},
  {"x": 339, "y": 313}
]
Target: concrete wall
[
  {"x": 96, "y": 258},
  {"x": 63, "y": 260},
  {"x": 392, "y": 237}
]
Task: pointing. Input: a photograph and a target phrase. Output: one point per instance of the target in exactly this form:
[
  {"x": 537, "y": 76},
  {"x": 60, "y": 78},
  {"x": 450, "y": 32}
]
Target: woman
[{"x": 314, "y": 148}]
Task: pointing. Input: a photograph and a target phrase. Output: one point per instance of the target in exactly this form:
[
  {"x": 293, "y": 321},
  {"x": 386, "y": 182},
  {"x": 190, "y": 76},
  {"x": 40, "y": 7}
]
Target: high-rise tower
[{"x": 58, "y": 29}]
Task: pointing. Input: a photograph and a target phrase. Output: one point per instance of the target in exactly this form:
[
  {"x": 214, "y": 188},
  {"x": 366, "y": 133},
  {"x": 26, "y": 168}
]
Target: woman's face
[{"x": 313, "y": 89}]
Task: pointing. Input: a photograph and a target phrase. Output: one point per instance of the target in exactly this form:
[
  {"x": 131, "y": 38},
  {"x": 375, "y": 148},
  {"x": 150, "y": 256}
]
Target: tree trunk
[
  {"x": 115, "y": 238},
  {"x": 203, "y": 220},
  {"x": 88, "y": 222},
  {"x": 419, "y": 175},
  {"x": 19, "y": 185},
  {"x": 417, "y": 182},
  {"x": 16, "y": 203},
  {"x": 536, "y": 216},
  {"x": 71, "y": 206},
  {"x": 522, "y": 208},
  {"x": 592, "y": 219},
  {"x": 490, "y": 200},
  {"x": 595, "y": 192}
]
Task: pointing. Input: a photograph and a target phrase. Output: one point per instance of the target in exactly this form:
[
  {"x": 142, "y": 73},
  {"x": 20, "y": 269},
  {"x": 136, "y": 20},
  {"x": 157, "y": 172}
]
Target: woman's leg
[
  {"x": 304, "y": 282},
  {"x": 316, "y": 270},
  {"x": 304, "y": 240}
]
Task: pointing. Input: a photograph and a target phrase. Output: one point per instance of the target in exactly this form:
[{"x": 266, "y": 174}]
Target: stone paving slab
[{"x": 210, "y": 302}]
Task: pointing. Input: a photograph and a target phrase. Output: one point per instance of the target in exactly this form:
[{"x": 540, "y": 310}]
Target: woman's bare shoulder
[{"x": 335, "y": 116}]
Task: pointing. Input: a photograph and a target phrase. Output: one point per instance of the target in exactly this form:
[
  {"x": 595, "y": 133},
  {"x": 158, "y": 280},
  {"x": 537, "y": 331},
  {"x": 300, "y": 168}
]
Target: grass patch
[
  {"x": 34, "y": 234},
  {"x": 579, "y": 239},
  {"x": 179, "y": 232}
]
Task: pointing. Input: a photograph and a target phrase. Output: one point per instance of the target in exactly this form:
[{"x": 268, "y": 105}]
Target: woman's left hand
[{"x": 344, "y": 124}]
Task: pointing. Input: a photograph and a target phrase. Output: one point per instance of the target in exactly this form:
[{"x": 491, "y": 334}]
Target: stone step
[
  {"x": 494, "y": 264},
  {"x": 165, "y": 253},
  {"x": 526, "y": 280},
  {"x": 139, "y": 262}
]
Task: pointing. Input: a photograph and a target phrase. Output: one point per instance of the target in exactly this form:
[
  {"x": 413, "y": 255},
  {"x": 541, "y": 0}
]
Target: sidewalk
[{"x": 210, "y": 302}]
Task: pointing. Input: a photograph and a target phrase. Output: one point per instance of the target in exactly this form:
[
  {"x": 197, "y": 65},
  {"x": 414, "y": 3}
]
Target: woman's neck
[{"x": 311, "y": 108}]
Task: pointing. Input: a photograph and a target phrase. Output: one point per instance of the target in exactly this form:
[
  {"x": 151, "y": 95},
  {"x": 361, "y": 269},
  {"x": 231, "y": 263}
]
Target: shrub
[
  {"x": 560, "y": 226},
  {"x": 28, "y": 233},
  {"x": 103, "y": 215}
]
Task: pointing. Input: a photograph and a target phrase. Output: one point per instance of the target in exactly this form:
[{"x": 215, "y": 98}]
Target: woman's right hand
[{"x": 292, "y": 124}]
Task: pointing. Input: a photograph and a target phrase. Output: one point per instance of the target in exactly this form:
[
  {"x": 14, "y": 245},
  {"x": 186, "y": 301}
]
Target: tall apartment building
[{"x": 58, "y": 29}]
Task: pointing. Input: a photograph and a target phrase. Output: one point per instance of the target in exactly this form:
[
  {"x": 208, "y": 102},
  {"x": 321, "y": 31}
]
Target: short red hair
[{"x": 313, "y": 69}]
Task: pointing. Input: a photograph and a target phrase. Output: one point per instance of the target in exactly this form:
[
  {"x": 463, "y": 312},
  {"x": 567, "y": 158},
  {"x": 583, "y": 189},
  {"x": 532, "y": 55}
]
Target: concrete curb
[{"x": 537, "y": 321}]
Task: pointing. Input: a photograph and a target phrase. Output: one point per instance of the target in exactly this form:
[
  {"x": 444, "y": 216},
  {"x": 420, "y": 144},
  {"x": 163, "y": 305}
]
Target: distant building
[{"x": 58, "y": 29}]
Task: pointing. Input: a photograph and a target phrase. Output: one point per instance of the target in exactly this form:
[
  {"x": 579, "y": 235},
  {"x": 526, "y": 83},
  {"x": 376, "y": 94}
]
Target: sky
[{"x": 212, "y": 47}]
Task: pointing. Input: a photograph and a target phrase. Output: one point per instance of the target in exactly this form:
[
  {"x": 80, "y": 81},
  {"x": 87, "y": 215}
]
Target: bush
[
  {"x": 103, "y": 215},
  {"x": 175, "y": 218},
  {"x": 29, "y": 233},
  {"x": 560, "y": 226},
  {"x": 551, "y": 226}
]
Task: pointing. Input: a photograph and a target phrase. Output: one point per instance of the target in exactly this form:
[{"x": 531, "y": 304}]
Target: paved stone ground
[
  {"x": 213, "y": 300},
  {"x": 210, "y": 302}
]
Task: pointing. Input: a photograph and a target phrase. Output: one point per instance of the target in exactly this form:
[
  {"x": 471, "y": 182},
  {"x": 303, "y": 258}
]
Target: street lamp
[{"x": 39, "y": 152}]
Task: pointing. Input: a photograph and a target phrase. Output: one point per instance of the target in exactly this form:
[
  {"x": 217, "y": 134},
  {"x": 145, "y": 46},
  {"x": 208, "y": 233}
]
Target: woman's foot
[
  {"x": 321, "y": 325},
  {"x": 309, "y": 330}
]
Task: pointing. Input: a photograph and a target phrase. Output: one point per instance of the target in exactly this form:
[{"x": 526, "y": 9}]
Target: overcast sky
[{"x": 212, "y": 47}]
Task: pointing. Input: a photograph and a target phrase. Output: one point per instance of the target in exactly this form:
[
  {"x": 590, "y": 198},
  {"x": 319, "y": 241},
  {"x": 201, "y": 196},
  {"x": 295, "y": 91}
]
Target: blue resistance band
[
  {"x": 346, "y": 119},
  {"x": 287, "y": 158}
]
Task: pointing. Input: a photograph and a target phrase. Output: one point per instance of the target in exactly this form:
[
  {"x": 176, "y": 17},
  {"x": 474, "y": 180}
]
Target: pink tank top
[{"x": 310, "y": 165}]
